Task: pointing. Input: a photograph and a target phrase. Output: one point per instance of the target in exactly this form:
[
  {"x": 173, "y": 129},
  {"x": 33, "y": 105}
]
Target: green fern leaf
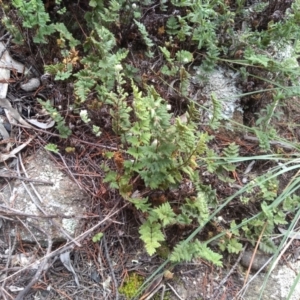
[
  {"x": 216, "y": 113},
  {"x": 151, "y": 235},
  {"x": 263, "y": 139},
  {"x": 232, "y": 150},
  {"x": 145, "y": 36},
  {"x": 172, "y": 26},
  {"x": 267, "y": 246},
  {"x": 201, "y": 250},
  {"x": 165, "y": 213},
  {"x": 182, "y": 252}
]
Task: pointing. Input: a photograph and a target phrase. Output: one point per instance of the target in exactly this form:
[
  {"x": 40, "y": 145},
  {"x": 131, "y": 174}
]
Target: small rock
[
  {"x": 259, "y": 260},
  {"x": 62, "y": 198},
  {"x": 31, "y": 85}
]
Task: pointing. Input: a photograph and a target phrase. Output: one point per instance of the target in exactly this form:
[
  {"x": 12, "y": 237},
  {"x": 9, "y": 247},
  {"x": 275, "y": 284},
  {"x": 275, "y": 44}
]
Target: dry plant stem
[
  {"x": 292, "y": 238},
  {"x": 110, "y": 267},
  {"x": 37, "y": 129},
  {"x": 6, "y": 44},
  {"x": 69, "y": 245},
  {"x": 98, "y": 145},
  {"x": 27, "y": 228},
  {"x": 254, "y": 252},
  {"x": 292, "y": 180},
  {"x": 12, "y": 248},
  {"x": 70, "y": 172},
  {"x": 217, "y": 292},
  {"x": 38, "y": 273},
  {"x": 153, "y": 287},
  {"x": 53, "y": 222},
  {"x": 281, "y": 144},
  {"x": 161, "y": 286},
  {"x": 103, "y": 241},
  {"x": 5, "y": 292},
  {"x": 8, "y": 211},
  {"x": 243, "y": 290},
  {"x": 24, "y": 178},
  {"x": 169, "y": 285},
  {"x": 2, "y": 38}
]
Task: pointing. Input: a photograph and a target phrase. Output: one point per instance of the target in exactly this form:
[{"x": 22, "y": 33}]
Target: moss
[
  {"x": 131, "y": 285},
  {"x": 163, "y": 251}
]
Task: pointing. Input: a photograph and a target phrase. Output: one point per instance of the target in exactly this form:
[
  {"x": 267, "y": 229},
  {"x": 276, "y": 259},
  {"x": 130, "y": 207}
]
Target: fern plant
[
  {"x": 63, "y": 129},
  {"x": 162, "y": 153},
  {"x": 99, "y": 65},
  {"x": 119, "y": 111},
  {"x": 145, "y": 37},
  {"x": 34, "y": 16}
]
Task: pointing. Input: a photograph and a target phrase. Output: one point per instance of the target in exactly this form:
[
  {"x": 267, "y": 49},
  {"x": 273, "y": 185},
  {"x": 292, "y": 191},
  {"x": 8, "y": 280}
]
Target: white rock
[{"x": 31, "y": 85}]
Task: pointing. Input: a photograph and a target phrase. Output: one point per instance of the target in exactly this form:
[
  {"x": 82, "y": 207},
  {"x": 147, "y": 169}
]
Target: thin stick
[
  {"x": 254, "y": 252},
  {"x": 281, "y": 144},
  {"x": 217, "y": 292},
  {"x": 38, "y": 273},
  {"x": 169, "y": 285},
  {"x": 24, "y": 178},
  {"x": 11, "y": 248}
]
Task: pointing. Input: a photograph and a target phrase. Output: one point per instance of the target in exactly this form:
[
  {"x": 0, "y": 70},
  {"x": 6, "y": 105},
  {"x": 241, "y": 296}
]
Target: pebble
[
  {"x": 259, "y": 261},
  {"x": 31, "y": 85}
]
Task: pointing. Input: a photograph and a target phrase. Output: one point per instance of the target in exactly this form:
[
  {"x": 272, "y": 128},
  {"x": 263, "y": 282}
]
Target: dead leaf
[
  {"x": 3, "y": 132},
  {"x": 50, "y": 123},
  {"x": 65, "y": 259},
  {"x": 13, "y": 153},
  {"x": 7, "y": 63},
  {"x": 12, "y": 113}
]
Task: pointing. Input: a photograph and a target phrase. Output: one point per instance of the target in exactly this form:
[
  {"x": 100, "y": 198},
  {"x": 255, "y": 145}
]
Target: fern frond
[
  {"x": 202, "y": 251},
  {"x": 165, "y": 213},
  {"x": 151, "y": 235},
  {"x": 267, "y": 246},
  {"x": 186, "y": 252},
  {"x": 263, "y": 139},
  {"x": 145, "y": 36},
  {"x": 63, "y": 129},
  {"x": 172, "y": 26},
  {"x": 84, "y": 84},
  {"x": 182, "y": 252},
  {"x": 231, "y": 151}
]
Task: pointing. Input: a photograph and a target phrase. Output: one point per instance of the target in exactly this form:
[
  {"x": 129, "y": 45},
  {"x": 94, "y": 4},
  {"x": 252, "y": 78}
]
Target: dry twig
[
  {"x": 217, "y": 292},
  {"x": 43, "y": 266}
]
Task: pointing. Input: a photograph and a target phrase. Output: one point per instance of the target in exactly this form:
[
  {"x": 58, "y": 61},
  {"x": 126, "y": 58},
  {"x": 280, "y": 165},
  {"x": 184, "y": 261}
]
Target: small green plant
[
  {"x": 35, "y": 17},
  {"x": 97, "y": 237},
  {"x": 99, "y": 71},
  {"x": 52, "y": 148},
  {"x": 63, "y": 130},
  {"x": 146, "y": 39},
  {"x": 64, "y": 70},
  {"x": 162, "y": 161}
]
